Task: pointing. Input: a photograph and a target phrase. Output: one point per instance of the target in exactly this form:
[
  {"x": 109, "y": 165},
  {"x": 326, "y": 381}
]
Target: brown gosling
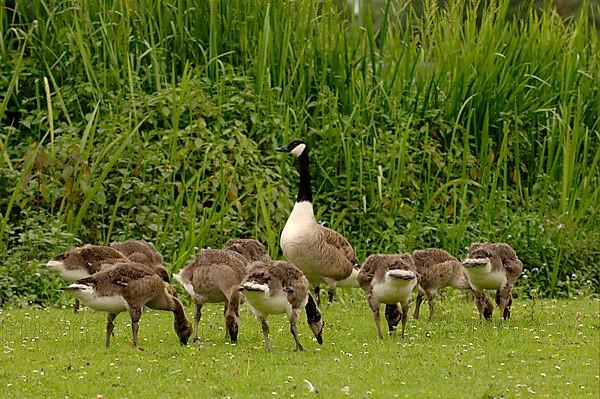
[
  {"x": 129, "y": 287},
  {"x": 492, "y": 267},
  {"x": 389, "y": 279},
  {"x": 437, "y": 269},
  {"x": 215, "y": 276},
  {"x": 251, "y": 249},
  {"x": 324, "y": 255},
  {"x": 143, "y": 252},
  {"x": 280, "y": 287},
  {"x": 82, "y": 262}
]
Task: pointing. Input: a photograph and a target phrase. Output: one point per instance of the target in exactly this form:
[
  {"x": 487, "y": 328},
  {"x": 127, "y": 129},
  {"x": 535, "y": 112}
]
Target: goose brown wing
[
  {"x": 124, "y": 273},
  {"x": 368, "y": 269},
  {"x": 339, "y": 243}
]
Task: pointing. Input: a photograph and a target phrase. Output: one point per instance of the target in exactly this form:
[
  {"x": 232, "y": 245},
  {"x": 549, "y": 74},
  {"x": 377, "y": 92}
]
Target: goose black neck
[{"x": 304, "y": 191}]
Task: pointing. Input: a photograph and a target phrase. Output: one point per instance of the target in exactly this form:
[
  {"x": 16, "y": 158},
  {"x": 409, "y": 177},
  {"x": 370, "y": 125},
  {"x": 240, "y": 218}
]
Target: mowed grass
[{"x": 548, "y": 349}]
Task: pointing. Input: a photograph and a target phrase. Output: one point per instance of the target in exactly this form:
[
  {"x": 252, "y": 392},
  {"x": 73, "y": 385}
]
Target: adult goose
[
  {"x": 130, "y": 286},
  {"x": 324, "y": 255}
]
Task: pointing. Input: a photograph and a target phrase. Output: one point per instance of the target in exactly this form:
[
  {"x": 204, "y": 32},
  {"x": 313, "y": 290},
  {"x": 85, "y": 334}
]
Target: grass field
[{"x": 548, "y": 349}]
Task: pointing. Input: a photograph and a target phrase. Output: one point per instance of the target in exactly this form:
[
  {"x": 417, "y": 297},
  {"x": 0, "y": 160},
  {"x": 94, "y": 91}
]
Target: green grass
[{"x": 548, "y": 349}]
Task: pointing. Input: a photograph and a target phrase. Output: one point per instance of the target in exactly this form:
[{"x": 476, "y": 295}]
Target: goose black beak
[{"x": 282, "y": 149}]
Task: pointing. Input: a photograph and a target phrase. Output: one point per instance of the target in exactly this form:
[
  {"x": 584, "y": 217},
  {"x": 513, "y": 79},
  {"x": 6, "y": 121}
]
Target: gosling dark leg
[
  {"x": 110, "y": 327},
  {"x": 265, "y": 330},
  {"x": 135, "y": 314},
  {"x": 197, "y": 316}
]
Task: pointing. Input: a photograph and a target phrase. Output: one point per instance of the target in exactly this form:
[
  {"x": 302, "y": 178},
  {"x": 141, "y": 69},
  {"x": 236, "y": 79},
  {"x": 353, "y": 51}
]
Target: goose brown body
[
  {"x": 129, "y": 286},
  {"x": 213, "y": 277},
  {"x": 276, "y": 287},
  {"x": 492, "y": 266},
  {"x": 251, "y": 249},
  {"x": 143, "y": 252},
  {"x": 437, "y": 269}
]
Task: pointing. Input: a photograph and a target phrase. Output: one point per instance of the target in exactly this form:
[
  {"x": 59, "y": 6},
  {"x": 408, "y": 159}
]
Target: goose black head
[{"x": 294, "y": 147}]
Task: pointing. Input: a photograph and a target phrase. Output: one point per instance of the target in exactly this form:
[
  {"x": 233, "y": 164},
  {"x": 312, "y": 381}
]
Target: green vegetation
[
  {"x": 158, "y": 119},
  {"x": 549, "y": 349}
]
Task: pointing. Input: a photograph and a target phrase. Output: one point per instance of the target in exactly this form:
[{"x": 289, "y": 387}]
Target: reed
[{"x": 431, "y": 128}]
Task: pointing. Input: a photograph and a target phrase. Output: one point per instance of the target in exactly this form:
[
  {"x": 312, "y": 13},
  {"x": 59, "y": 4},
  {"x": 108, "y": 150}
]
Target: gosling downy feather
[
  {"x": 277, "y": 287},
  {"x": 215, "y": 276},
  {"x": 130, "y": 286},
  {"x": 389, "y": 279}
]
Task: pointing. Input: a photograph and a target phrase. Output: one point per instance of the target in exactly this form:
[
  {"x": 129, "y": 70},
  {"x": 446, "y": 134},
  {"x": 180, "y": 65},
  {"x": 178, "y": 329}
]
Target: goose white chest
[
  {"x": 67, "y": 274},
  {"x": 108, "y": 303},
  {"x": 394, "y": 288},
  {"x": 482, "y": 278},
  {"x": 300, "y": 226},
  {"x": 299, "y": 235},
  {"x": 264, "y": 303}
]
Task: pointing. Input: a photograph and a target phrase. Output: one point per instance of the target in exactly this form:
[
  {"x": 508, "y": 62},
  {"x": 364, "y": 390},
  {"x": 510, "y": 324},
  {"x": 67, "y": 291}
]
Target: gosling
[
  {"x": 492, "y": 267},
  {"x": 389, "y": 279},
  {"x": 437, "y": 269},
  {"x": 130, "y": 286},
  {"x": 213, "y": 277},
  {"x": 280, "y": 287}
]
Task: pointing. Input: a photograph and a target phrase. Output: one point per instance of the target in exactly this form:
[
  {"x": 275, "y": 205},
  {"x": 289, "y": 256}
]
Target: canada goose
[
  {"x": 251, "y": 249},
  {"x": 129, "y": 286},
  {"x": 279, "y": 287},
  {"x": 492, "y": 267},
  {"x": 215, "y": 276},
  {"x": 143, "y": 252},
  {"x": 324, "y": 255},
  {"x": 389, "y": 279},
  {"x": 437, "y": 269}
]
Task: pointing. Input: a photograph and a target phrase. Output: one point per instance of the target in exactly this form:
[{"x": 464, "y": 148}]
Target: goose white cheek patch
[{"x": 297, "y": 151}]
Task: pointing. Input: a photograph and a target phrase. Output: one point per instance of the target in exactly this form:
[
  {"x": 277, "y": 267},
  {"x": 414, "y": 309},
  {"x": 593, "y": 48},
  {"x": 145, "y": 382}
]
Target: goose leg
[
  {"x": 293, "y": 319},
  {"x": 375, "y": 309},
  {"x": 76, "y": 306},
  {"x": 110, "y": 327},
  {"x": 430, "y": 302},
  {"x": 317, "y": 291},
  {"x": 135, "y": 314},
  {"x": 197, "y": 316},
  {"x": 404, "y": 315},
  {"x": 331, "y": 294},
  {"x": 265, "y": 330},
  {"x": 504, "y": 301},
  {"x": 393, "y": 316},
  {"x": 418, "y": 305}
]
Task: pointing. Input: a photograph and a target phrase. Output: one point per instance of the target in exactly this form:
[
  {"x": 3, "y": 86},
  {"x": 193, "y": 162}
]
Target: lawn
[{"x": 548, "y": 349}]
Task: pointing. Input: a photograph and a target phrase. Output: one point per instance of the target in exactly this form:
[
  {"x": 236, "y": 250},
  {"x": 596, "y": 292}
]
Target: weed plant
[{"x": 159, "y": 119}]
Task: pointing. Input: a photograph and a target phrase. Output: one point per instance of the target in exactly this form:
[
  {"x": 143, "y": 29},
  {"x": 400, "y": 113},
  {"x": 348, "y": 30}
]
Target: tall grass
[{"x": 442, "y": 127}]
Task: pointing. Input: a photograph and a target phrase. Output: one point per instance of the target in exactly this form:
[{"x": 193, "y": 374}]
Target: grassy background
[
  {"x": 548, "y": 349},
  {"x": 158, "y": 119}
]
